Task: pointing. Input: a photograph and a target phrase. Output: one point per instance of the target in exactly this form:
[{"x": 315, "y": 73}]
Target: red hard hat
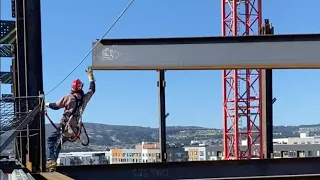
[{"x": 76, "y": 85}]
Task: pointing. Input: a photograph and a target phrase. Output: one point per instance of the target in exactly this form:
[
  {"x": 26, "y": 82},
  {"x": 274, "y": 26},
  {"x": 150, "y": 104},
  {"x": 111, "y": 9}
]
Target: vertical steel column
[
  {"x": 162, "y": 115},
  {"x": 267, "y": 100},
  {"x": 34, "y": 79},
  {"x": 20, "y": 75}
]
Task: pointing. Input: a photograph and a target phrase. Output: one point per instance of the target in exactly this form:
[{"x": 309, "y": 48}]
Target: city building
[
  {"x": 303, "y": 139},
  {"x": 125, "y": 156},
  {"x": 280, "y": 151},
  {"x": 83, "y": 158},
  {"x": 143, "y": 153},
  {"x": 303, "y": 146},
  {"x": 197, "y": 152}
]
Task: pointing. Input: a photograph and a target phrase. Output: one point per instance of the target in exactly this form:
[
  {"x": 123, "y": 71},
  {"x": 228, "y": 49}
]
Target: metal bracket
[
  {"x": 5, "y": 50},
  {"x": 13, "y": 8},
  {"x": 6, "y": 77},
  {"x": 22, "y": 126},
  {"x": 7, "y": 32}
]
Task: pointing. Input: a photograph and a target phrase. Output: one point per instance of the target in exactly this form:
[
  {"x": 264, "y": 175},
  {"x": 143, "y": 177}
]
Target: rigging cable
[
  {"x": 82, "y": 60},
  {"x": 85, "y": 57}
]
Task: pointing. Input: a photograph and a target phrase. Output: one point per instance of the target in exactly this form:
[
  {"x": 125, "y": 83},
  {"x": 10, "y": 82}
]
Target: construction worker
[{"x": 74, "y": 104}]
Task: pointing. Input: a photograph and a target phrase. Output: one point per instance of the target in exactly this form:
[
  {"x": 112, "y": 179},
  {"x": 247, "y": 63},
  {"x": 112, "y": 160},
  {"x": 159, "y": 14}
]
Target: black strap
[{"x": 78, "y": 104}]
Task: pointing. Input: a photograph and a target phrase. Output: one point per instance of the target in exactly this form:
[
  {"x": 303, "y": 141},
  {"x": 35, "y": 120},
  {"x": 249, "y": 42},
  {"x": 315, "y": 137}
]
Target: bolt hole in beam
[{"x": 297, "y": 51}]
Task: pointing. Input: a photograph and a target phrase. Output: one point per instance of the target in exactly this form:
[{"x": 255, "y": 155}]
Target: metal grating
[
  {"x": 7, "y": 32},
  {"x": 7, "y": 98},
  {"x": 5, "y": 50},
  {"x": 8, "y": 119},
  {"x": 6, "y": 77},
  {"x": 19, "y": 174}
]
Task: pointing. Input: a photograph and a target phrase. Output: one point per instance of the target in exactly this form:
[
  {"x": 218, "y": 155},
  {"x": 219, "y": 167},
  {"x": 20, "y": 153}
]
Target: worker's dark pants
[{"x": 54, "y": 144}]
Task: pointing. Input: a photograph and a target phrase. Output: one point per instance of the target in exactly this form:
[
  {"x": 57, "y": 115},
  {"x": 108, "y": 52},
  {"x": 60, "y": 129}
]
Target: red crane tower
[{"x": 241, "y": 88}]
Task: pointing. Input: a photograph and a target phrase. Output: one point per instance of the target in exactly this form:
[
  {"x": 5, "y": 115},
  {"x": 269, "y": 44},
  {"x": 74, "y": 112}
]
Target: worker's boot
[{"x": 51, "y": 165}]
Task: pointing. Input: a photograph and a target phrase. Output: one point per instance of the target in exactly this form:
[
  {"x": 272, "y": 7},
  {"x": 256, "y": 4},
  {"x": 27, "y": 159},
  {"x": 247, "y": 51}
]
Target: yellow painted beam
[{"x": 55, "y": 176}]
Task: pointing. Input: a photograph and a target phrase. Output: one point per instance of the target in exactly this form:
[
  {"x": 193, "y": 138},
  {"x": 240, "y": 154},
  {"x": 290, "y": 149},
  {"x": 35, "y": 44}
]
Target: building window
[
  {"x": 291, "y": 154},
  {"x": 295, "y": 142},
  {"x": 195, "y": 153},
  {"x": 201, "y": 153},
  {"x": 309, "y": 153},
  {"x": 277, "y": 154},
  {"x": 309, "y": 142}
]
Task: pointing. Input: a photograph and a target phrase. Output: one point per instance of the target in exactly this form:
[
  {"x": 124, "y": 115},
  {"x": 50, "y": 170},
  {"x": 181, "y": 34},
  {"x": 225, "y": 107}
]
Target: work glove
[{"x": 89, "y": 72}]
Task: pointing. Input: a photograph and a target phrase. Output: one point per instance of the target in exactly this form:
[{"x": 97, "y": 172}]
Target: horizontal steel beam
[
  {"x": 55, "y": 176},
  {"x": 232, "y": 52},
  {"x": 282, "y": 177},
  {"x": 193, "y": 169}
]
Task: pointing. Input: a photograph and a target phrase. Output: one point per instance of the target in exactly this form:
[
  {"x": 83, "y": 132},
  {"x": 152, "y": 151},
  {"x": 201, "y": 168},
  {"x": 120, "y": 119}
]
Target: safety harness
[{"x": 71, "y": 137}]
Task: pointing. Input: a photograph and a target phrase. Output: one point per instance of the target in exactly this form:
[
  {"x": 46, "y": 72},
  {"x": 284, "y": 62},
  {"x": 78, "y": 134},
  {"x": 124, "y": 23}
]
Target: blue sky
[{"x": 193, "y": 97}]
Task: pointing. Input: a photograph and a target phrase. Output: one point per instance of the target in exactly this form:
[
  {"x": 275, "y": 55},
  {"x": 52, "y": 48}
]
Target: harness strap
[
  {"x": 77, "y": 136},
  {"x": 79, "y": 103},
  {"x": 75, "y": 112}
]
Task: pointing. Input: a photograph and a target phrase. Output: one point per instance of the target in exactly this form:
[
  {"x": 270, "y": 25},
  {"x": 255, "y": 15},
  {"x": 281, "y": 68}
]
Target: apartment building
[
  {"x": 151, "y": 153},
  {"x": 280, "y": 151},
  {"x": 304, "y": 138},
  {"x": 196, "y": 152},
  {"x": 176, "y": 154},
  {"x": 83, "y": 158},
  {"x": 125, "y": 156},
  {"x": 143, "y": 153}
]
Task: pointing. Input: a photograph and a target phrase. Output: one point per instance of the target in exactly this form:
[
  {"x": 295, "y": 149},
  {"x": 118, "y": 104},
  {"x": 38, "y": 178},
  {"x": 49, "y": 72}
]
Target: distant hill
[
  {"x": 122, "y": 136},
  {"x": 111, "y": 136},
  {"x": 127, "y": 136}
]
